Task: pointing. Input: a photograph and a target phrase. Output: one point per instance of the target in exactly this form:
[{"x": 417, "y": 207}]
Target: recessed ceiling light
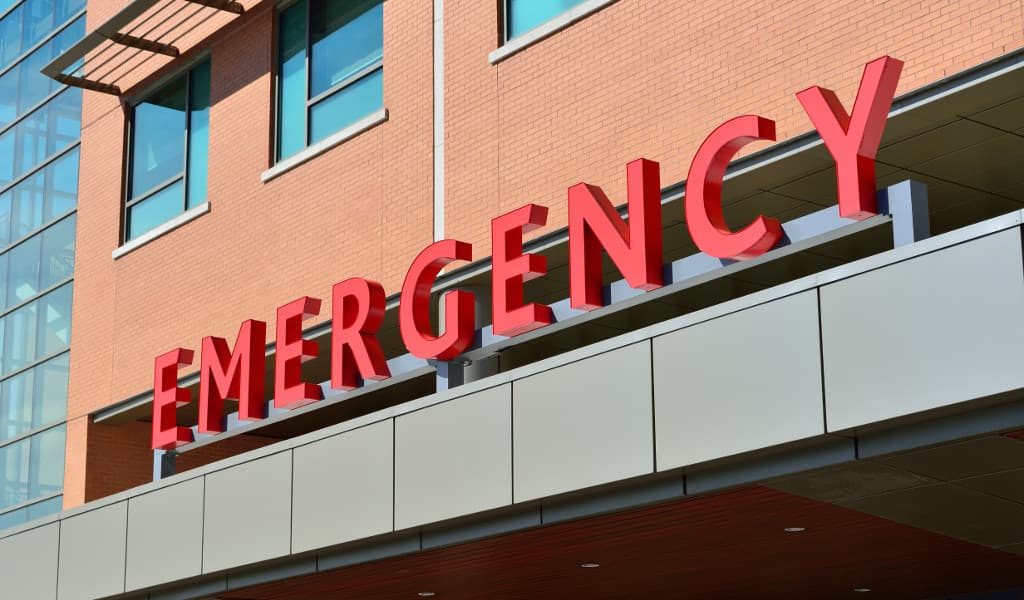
[
  {"x": 590, "y": 565},
  {"x": 794, "y": 529},
  {"x": 861, "y": 590},
  {"x": 425, "y": 594}
]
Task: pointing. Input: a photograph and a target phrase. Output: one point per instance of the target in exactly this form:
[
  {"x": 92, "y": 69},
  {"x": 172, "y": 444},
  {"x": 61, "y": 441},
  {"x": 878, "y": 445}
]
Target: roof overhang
[{"x": 111, "y": 57}]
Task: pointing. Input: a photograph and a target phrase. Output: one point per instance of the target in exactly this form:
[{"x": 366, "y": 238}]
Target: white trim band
[
  {"x": 324, "y": 145},
  {"x": 546, "y": 29},
  {"x": 156, "y": 232}
]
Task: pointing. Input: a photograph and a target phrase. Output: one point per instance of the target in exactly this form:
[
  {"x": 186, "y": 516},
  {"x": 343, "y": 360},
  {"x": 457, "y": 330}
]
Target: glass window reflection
[
  {"x": 169, "y": 152},
  {"x": 523, "y": 15},
  {"x": 345, "y": 46}
]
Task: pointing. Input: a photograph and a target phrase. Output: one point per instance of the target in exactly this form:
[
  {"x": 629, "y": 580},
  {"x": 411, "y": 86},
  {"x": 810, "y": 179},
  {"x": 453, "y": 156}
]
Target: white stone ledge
[
  {"x": 547, "y": 28},
  {"x": 311, "y": 152},
  {"x": 169, "y": 226}
]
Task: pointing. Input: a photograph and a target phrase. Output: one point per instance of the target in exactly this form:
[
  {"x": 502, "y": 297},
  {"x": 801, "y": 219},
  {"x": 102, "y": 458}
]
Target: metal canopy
[{"x": 144, "y": 28}]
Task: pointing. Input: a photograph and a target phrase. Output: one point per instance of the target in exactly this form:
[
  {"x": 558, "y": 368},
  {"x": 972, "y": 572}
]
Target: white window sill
[
  {"x": 546, "y": 29},
  {"x": 169, "y": 226},
  {"x": 324, "y": 145}
]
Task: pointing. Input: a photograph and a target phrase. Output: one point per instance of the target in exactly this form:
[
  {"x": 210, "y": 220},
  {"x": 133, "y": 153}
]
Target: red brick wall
[
  {"x": 638, "y": 78},
  {"x": 652, "y": 78}
]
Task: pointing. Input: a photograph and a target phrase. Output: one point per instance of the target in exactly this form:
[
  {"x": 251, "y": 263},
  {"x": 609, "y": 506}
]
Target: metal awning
[{"x": 112, "y": 53}]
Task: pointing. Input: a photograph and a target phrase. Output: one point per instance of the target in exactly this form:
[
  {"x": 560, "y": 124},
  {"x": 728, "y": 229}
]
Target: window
[
  {"x": 523, "y": 15},
  {"x": 167, "y": 163},
  {"x": 31, "y": 21},
  {"x": 44, "y": 133},
  {"x": 22, "y": 86},
  {"x": 343, "y": 44}
]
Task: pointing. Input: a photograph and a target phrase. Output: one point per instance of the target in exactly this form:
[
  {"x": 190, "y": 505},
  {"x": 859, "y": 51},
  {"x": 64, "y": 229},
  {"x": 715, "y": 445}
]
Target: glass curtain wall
[{"x": 40, "y": 127}]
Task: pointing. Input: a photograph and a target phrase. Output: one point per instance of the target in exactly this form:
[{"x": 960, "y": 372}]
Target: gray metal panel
[
  {"x": 165, "y": 535},
  {"x": 454, "y": 459},
  {"x": 248, "y": 513},
  {"x": 28, "y": 563},
  {"x": 92, "y": 552},
  {"x": 928, "y": 332},
  {"x": 584, "y": 424},
  {"x": 719, "y": 384},
  {"x": 344, "y": 487}
]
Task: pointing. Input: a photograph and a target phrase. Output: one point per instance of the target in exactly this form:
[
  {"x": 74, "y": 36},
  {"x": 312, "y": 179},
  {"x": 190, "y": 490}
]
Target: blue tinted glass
[
  {"x": 198, "y": 135},
  {"x": 31, "y": 512},
  {"x": 34, "y": 398},
  {"x": 524, "y": 15},
  {"x": 32, "y": 467},
  {"x": 23, "y": 271},
  {"x": 155, "y": 210},
  {"x": 39, "y": 199},
  {"x": 16, "y": 404},
  {"x": 345, "y": 37},
  {"x": 40, "y": 135},
  {"x": 5, "y": 219},
  {"x": 291, "y": 108},
  {"x": 19, "y": 338},
  {"x": 10, "y": 36},
  {"x": 158, "y": 139},
  {"x": 54, "y": 328},
  {"x": 57, "y": 261},
  {"x": 37, "y": 21},
  {"x": 23, "y": 86},
  {"x": 346, "y": 106},
  {"x": 3, "y": 279}
]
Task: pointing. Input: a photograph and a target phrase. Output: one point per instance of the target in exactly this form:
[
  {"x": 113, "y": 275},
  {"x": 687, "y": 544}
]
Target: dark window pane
[
  {"x": 155, "y": 210},
  {"x": 524, "y": 15},
  {"x": 158, "y": 145},
  {"x": 198, "y": 135},
  {"x": 58, "y": 253},
  {"x": 346, "y": 106},
  {"x": 345, "y": 37},
  {"x": 291, "y": 108}
]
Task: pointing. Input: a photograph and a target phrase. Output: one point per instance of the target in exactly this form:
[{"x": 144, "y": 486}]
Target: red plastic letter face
[
  {"x": 853, "y": 139},
  {"x": 292, "y": 350},
  {"x": 357, "y": 310},
  {"x": 238, "y": 375},
  {"x": 167, "y": 397},
  {"x": 635, "y": 248},
  {"x": 511, "y": 268},
  {"x": 703, "y": 200},
  {"x": 414, "y": 309}
]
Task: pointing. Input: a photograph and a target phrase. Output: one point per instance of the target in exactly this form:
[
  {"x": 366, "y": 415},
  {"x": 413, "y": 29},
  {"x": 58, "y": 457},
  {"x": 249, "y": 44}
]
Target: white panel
[
  {"x": 248, "y": 513},
  {"x": 584, "y": 424},
  {"x": 28, "y": 564},
  {"x": 454, "y": 458},
  {"x": 165, "y": 535},
  {"x": 738, "y": 383},
  {"x": 92, "y": 552},
  {"x": 344, "y": 487},
  {"x": 928, "y": 332}
]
